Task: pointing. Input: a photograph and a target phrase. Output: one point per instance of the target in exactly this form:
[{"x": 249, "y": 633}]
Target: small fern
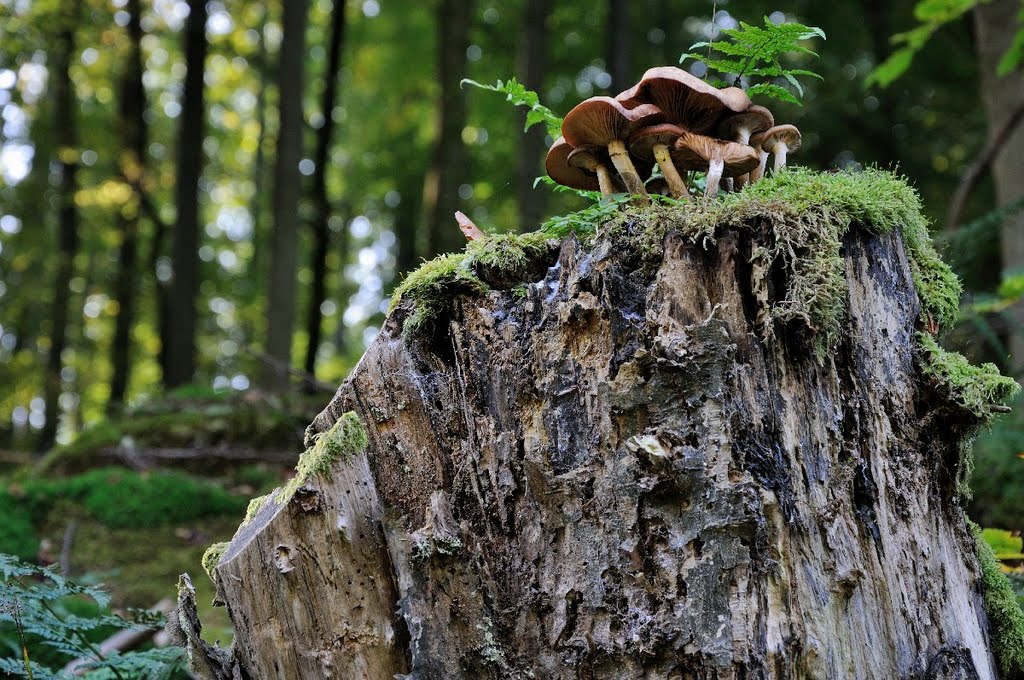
[
  {"x": 47, "y": 621},
  {"x": 517, "y": 93},
  {"x": 756, "y": 51}
]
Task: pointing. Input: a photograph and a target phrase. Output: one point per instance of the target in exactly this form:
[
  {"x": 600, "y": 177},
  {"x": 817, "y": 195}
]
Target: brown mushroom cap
[
  {"x": 600, "y": 120},
  {"x": 685, "y": 99},
  {"x": 641, "y": 143},
  {"x": 740, "y": 126},
  {"x": 559, "y": 169},
  {"x": 695, "y": 152},
  {"x": 788, "y": 134}
]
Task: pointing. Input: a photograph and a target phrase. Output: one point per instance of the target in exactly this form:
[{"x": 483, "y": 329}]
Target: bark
[
  {"x": 620, "y": 62},
  {"x": 133, "y": 157},
  {"x": 65, "y": 124},
  {"x": 624, "y": 475},
  {"x": 532, "y": 59},
  {"x": 180, "y": 338},
  {"x": 447, "y": 170},
  {"x": 996, "y": 24},
  {"x": 287, "y": 191},
  {"x": 321, "y": 205}
]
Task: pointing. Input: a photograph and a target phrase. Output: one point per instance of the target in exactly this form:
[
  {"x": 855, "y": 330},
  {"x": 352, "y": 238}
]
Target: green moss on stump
[
  {"x": 976, "y": 388},
  {"x": 254, "y": 507},
  {"x": 211, "y": 557},
  {"x": 808, "y": 214},
  {"x": 1005, "y": 616},
  {"x": 340, "y": 443}
]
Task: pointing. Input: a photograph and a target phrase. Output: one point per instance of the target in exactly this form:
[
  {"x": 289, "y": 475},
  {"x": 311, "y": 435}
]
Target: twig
[
  {"x": 982, "y": 161},
  {"x": 121, "y": 641}
]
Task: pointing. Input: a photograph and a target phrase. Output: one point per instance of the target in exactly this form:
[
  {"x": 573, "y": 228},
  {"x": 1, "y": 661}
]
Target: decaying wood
[{"x": 624, "y": 475}]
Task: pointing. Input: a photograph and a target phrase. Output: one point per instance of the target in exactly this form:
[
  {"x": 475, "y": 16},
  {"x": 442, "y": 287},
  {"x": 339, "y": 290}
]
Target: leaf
[
  {"x": 1015, "y": 53},
  {"x": 895, "y": 65},
  {"x": 516, "y": 93},
  {"x": 774, "y": 91}
]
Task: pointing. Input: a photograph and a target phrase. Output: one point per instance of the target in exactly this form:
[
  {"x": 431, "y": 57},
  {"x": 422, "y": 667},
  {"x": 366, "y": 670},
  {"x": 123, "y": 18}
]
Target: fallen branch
[{"x": 121, "y": 641}]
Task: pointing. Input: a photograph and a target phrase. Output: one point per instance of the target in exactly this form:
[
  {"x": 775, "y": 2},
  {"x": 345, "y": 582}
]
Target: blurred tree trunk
[
  {"x": 321, "y": 205},
  {"x": 180, "y": 333},
  {"x": 65, "y": 124},
  {"x": 132, "y": 168},
  {"x": 996, "y": 25},
  {"x": 286, "y": 194},
  {"x": 620, "y": 63},
  {"x": 448, "y": 160},
  {"x": 533, "y": 48},
  {"x": 876, "y": 14}
]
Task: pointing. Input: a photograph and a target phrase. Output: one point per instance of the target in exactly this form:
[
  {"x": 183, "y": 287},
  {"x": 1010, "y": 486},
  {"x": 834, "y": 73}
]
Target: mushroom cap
[
  {"x": 755, "y": 119},
  {"x": 685, "y": 99},
  {"x": 695, "y": 152},
  {"x": 559, "y": 169},
  {"x": 641, "y": 143},
  {"x": 780, "y": 133},
  {"x": 600, "y": 120}
]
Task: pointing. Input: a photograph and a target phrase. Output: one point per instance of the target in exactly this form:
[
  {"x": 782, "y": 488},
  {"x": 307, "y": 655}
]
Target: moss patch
[
  {"x": 807, "y": 214},
  {"x": 212, "y": 556},
  {"x": 976, "y": 388},
  {"x": 1005, "y": 617},
  {"x": 340, "y": 443},
  {"x": 254, "y": 507}
]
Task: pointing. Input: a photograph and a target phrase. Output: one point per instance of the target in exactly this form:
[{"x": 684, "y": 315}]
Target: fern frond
[{"x": 516, "y": 93}]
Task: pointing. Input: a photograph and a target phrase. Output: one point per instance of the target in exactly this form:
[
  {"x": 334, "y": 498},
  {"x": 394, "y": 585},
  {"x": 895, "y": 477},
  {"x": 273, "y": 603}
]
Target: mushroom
[
  {"x": 651, "y": 144},
  {"x": 606, "y": 122},
  {"x": 780, "y": 140},
  {"x": 686, "y": 100},
  {"x": 575, "y": 175},
  {"x": 756, "y": 142},
  {"x": 741, "y": 126},
  {"x": 716, "y": 157}
]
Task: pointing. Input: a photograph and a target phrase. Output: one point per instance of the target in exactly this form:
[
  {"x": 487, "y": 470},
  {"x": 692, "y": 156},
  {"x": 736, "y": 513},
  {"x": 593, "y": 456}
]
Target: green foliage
[
  {"x": 932, "y": 15},
  {"x": 47, "y": 621},
  {"x": 1004, "y": 544},
  {"x": 1006, "y": 619},
  {"x": 976, "y": 388},
  {"x": 583, "y": 223},
  {"x": 118, "y": 498},
  {"x": 345, "y": 439},
  {"x": 756, "y": 51},
  {"x": 998, "y": 484},
  {"x": 516, "y": 93}
]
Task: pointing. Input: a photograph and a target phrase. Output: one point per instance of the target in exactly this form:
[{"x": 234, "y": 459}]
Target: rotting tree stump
[{"x": 623, "y": 474}]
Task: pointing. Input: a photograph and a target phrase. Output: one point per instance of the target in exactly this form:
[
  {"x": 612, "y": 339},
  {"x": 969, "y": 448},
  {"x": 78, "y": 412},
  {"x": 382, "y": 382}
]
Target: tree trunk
[
  {"x": 624, "y": 475},
  {"x": 132, "y": 167},
  {"x": 287, "y": 191},
  {"x": 532, "y": 57},
  {"x": 321, "y": 205},
  {"x": 180, "y": 340},
  {"x": 620, "y": 63},
  {"x": 67, "y": 216},
  {"x": 996, "y": 25},
  {"x": 448, "y": 160}
]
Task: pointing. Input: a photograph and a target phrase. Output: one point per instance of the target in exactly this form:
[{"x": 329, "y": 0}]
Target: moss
[
  {"x": 808, "y": 214},
  {"x": 343, "y": 441},
  {"x": 1005, "y": 616},
  {"x": 976, "y": 388},
  {"x": 212, "y": 556},
  {"x": 254, "y": 507}
]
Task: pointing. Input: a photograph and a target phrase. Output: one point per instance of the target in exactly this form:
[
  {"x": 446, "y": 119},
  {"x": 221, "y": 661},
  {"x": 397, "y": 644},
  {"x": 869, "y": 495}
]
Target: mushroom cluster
[{"x": 677, "y": 121}]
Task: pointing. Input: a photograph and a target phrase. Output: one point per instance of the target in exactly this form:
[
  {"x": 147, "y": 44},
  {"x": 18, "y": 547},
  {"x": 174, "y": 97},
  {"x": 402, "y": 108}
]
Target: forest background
[{"x": 213, "y": 200}]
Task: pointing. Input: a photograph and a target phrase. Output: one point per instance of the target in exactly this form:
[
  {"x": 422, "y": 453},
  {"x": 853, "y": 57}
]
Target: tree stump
[{"x": 625, "y": 471}]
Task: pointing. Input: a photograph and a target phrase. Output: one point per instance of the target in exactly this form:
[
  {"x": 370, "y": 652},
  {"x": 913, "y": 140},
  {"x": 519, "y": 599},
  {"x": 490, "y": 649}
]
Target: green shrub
[{"x": 17, "y": 536}]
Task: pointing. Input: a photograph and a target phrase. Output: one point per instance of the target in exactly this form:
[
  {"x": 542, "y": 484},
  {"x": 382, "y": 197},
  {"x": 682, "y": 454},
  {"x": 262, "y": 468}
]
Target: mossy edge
[
  {"x": 212, "y": 556},
  {"x": 1005, "y": 616},
  {"x": 976, "y": 388},
  {"x": 342, "y": 442}
]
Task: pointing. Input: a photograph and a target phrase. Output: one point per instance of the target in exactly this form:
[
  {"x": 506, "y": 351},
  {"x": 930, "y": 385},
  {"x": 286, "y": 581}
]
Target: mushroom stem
[
  {"x": 715, "y": 169},
  {"x": 676, "y": 185},
  {"x": 758, "y": 172},
  {"x": 620, "y": 157},
  {"x": 780, "y": 155},
  {"x": 604, "y": 178}
]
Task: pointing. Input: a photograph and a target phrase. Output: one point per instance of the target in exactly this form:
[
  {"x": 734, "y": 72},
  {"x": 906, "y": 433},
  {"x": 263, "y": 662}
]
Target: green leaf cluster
[
  {"x": 517, "y": 93},
  {"x": 932, "y": 15},
  {"x": 47, "y": 621},
  {"x": 757, "y": 51}
]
